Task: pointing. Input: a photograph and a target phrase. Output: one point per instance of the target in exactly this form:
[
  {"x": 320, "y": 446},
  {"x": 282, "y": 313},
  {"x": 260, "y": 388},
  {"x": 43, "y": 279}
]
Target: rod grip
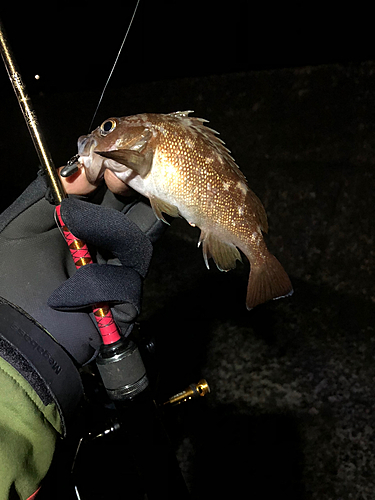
[{"x": 81, "y": 256}]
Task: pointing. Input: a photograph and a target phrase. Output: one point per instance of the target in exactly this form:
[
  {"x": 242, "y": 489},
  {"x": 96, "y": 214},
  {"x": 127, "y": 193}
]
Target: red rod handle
[{"x": 81, "y": 256}]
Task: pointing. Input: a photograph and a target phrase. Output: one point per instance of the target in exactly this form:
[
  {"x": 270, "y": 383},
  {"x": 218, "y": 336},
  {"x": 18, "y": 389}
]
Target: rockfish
[{"x": 185, "y": 170}]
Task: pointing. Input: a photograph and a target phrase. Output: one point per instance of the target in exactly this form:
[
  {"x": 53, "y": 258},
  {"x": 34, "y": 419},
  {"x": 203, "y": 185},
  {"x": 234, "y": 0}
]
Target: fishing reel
[
  {"x": 122, "y": 370},
  {"x": 121, "y": 414}
]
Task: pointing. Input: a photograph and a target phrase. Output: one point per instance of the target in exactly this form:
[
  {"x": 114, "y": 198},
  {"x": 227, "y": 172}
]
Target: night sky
[{"x": 73, "y": 47}]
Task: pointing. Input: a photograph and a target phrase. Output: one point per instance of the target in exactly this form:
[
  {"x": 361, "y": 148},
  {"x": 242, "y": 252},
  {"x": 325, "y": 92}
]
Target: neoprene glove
[
  {"x": 119, "y": 281},
  {"x": 35, "y": 261},
  {"x": 41, "y": 346}
]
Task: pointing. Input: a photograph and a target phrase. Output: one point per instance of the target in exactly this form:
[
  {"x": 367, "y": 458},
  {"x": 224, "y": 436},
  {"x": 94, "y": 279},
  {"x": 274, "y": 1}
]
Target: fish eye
[{"x": 107, "y": 127}]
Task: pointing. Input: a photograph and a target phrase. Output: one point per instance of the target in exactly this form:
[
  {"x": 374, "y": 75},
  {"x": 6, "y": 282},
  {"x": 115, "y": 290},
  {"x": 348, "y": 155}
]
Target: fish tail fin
[{"x": 267, "y": 281}]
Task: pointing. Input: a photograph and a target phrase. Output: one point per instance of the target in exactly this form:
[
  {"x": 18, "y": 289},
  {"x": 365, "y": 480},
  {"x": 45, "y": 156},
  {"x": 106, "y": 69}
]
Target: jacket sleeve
[{"x": 28, "y": 433}]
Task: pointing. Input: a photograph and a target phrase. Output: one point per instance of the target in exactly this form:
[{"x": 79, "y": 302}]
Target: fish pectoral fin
[
  {"x": 159, "y": 207},
  {"x": 139, "y": 162},
  {"x": 225, "y": 255}
]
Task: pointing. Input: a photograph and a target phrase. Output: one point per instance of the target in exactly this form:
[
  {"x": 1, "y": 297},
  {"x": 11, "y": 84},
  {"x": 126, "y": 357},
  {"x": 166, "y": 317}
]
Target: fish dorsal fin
[
  {"x": 182, "y": 114},
  {"x": 210, "y": 136}
]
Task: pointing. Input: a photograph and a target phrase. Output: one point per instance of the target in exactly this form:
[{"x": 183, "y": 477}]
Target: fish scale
[
  {"x": 185, "y": 170},
  {"x": 196, "y": 176}
]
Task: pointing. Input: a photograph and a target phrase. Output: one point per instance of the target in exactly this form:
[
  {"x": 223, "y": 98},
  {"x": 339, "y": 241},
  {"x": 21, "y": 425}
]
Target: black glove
[
  {"x": 35, "y": 263},
  {"x": 117, "y": 282},
  {"x": 35, "y": 260}
]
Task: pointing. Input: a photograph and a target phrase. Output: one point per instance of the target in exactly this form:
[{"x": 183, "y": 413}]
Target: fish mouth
[
  {"x": 86, "y": 145},
  {"x": 84, "y": 158}
]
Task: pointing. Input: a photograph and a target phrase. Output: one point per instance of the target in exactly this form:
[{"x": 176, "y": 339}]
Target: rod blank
[{"x": 30, "y": 117}]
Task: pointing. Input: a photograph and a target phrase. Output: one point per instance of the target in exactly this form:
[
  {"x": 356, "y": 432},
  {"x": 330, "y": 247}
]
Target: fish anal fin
[
  {"x": 159, "y": 207},
  {"x": 224, "y": 254},
  {"x": 139, "y": 162},
  {"x": 267, "y": 281}
]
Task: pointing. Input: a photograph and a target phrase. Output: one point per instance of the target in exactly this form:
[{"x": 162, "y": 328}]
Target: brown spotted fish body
[{"x": 185, "y": 170}]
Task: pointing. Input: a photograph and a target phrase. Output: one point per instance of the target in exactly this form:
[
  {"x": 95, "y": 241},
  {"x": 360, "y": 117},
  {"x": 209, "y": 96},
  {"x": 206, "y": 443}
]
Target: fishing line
[{"x": 114, "y": 65}]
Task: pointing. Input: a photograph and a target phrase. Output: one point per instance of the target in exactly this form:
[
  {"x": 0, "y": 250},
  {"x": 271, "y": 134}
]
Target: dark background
[
  {"x": 291, "y": 90},
  {"x": 72, "y": 47}
]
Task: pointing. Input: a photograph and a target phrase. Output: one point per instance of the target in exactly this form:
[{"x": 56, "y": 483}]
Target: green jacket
[{"x": 28, "y": 434}]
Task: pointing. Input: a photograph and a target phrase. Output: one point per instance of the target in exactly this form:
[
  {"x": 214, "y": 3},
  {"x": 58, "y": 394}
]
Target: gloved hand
[
  {"x": 40, "y": 345},
  {"x": 117, "y": 282},
  {"x": 35, "y": 260}
]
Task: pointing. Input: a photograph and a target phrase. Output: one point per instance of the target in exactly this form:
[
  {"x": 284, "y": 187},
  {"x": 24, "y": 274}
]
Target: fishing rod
[
  {"x": 55, "y": 184},
  {"x": 119, "y": 361},
  {"x": 78, "y": 249}
]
